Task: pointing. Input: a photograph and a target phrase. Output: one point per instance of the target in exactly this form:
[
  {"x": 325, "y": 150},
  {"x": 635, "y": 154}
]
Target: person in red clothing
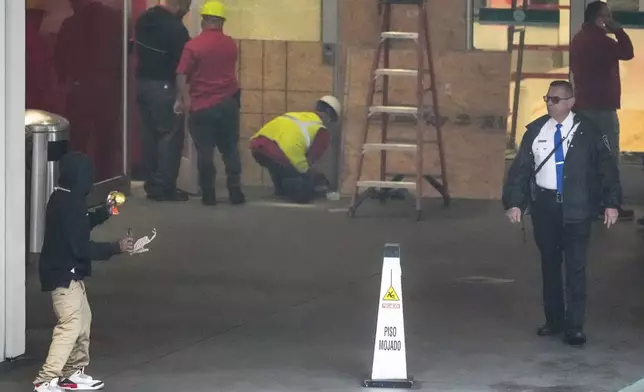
[
  {"x": 594, "y": 62},
  {"x": 208, "y": 64}
]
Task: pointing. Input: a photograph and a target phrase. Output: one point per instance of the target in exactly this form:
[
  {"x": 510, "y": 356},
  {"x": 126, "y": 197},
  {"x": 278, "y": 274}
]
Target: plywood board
[
  {"x": 252, "y": 101},
  {"x": 251, "y": 64},
  {"x": 360, "y": 23},
  {"x": 306, "y": 71},
  {"x": 275, "y": 65},
  {"x": 249, "y": 125},
  {"x": 274, "y": 101},
  {"x": 302, "y": 101}
]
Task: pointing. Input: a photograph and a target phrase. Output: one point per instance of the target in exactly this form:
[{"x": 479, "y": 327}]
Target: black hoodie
[{"x": 67, "y": 250}]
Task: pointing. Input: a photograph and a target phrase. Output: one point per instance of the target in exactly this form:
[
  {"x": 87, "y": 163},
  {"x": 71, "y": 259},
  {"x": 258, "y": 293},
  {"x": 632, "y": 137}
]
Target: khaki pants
[
  {"x": 607, "y": 122},
  {"x": 69, "y": 349}
]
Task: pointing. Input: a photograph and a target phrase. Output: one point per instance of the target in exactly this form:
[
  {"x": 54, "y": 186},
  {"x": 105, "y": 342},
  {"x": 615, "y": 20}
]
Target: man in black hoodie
[
  {"x": 160, "y": 36},
  {"x": 65, "y": 261}
]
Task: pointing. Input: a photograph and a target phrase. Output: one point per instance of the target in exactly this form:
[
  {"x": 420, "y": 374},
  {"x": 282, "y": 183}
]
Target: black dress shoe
[
  {"x": 549, "y": 330},
  {"x": 575, "y": 338}
]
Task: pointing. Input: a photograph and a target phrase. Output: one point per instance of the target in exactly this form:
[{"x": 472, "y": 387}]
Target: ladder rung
[
  {"x": 394, "y": 110},
  {"x": 410, "y": 174},
  {"x": 387, "y": 184},
  {"x": 398, "y": 35},
  {"x": 389, "y": 147},
  {"x": 409, "y": 141},
  {"x": 396, "y": 72}
]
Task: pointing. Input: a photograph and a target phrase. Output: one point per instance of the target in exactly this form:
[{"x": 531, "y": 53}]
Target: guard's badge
[{"x": 606, "y": 143}]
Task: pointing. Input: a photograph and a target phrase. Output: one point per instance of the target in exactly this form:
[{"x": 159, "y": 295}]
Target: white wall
[{"x": 12, "y": 179}]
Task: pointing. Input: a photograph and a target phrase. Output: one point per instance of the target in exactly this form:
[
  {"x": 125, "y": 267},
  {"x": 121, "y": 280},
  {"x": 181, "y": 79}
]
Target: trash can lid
[{"x": 40, "y": 121}]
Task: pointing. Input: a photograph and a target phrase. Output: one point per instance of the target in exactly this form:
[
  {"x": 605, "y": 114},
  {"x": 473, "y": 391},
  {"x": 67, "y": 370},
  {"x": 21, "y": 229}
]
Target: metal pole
[
  {"x": 126, "y": 145},
  {"x": 512, "y": 145},
  {"x": 38, "y": 191},
  {"x": 52, "y": 178},
  {"x": 469, "y": 24}
]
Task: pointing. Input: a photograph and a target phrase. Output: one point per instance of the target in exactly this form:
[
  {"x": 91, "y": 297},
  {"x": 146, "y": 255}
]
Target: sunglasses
[{"x": 554, "y": 100}]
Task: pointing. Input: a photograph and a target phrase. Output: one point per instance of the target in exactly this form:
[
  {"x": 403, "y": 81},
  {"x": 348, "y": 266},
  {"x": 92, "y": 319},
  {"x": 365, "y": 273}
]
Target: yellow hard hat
[{"x": 214, "y": 8}]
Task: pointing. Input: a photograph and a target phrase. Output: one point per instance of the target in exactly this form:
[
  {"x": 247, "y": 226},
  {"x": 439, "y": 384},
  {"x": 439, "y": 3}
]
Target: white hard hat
[{"x": 334, "y": 103}]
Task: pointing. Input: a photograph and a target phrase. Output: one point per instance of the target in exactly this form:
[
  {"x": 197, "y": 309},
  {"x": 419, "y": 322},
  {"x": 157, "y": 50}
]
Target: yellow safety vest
[{"x": 294, "y": 133}]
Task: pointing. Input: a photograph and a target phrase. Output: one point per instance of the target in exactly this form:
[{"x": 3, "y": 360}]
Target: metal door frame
[
  {"x": 12, "y": 180},
  {"x": 122, "y": 182}
]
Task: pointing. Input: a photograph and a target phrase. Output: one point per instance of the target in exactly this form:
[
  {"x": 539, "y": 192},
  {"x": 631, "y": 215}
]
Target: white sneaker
[
  {"x": 51, "y": 386},
  {"x": 79, "y": 381}
]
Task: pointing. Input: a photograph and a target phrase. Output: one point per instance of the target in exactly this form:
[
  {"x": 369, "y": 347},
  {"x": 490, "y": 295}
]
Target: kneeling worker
[{"x": 288, "y": 145}]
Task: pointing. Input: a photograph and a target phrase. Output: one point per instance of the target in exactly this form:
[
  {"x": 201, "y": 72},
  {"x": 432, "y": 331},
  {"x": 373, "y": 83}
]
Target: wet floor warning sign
[
  {"x": 389, "y": 368},
  {"x": 391, "y": 295}
]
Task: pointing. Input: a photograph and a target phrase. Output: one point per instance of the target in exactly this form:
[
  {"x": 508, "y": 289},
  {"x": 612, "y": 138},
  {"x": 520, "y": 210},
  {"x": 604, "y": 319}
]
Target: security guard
[
  {"x": 209, "y": 64},
  {"x": 562, "y": 171},
  {"x": 288, "y": 145}
]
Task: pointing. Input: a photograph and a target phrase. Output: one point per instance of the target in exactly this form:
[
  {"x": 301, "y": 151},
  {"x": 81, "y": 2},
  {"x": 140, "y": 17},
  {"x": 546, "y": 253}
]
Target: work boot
[
  {"x": 236, "y": 196},
  {"x": 208, "y": 197}
]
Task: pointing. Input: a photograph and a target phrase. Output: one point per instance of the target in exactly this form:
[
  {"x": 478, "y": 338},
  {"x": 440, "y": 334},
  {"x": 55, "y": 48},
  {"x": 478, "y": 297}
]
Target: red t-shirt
[{"x": 209, "y": 61}]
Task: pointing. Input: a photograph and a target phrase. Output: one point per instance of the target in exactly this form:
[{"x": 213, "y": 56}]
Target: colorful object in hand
[{"x": 114, "y": 200}]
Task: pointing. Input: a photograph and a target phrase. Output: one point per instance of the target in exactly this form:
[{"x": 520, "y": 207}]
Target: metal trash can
[{"x": 47, "y": 137}]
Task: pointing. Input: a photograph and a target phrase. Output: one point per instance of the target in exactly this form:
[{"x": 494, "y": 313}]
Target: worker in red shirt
[
  {"x": 208, "y": 64},
  {"x": 594, "y": 62},
  {"x": 288, "y": 145}
]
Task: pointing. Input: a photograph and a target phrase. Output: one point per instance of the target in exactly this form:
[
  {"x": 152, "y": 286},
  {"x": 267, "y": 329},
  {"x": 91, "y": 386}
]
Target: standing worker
[
  {"x": 288, "y": 145},
  {"x": 594, "y": 62},
  {"x": 562, "y": 170},
  {"x": 160, "y": 36},
  {"x": 208, "y": 64}
]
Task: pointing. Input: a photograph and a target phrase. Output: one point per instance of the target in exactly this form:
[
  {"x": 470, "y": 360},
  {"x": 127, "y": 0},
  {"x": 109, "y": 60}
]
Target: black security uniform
[
  {"x": 562, "y": 224},
  {"x": 159, "y": 39}
]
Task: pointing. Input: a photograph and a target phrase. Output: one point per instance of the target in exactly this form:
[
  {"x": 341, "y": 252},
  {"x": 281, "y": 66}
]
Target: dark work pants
[
  {"x": 288, "y": 182},
  {"x": 217, "y": 127},
  {"x": 561, "y": 242},
  {"x": 161, "y": 135}
]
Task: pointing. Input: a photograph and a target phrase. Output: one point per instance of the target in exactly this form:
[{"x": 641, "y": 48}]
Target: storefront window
[
  {"x": 545, "y": 57},
  {"x": 264, "y": 20},
  {"x": 75, "y": 69}
]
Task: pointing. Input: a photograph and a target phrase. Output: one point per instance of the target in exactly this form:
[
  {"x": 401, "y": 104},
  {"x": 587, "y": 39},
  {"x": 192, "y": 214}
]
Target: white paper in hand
[{"x": 141, "y": 243}]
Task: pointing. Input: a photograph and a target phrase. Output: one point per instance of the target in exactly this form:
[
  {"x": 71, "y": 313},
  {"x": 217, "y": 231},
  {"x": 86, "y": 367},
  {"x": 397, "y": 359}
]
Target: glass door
[
  {"x": 77, "y": 67},
  {"x": 629, "y": 14}
]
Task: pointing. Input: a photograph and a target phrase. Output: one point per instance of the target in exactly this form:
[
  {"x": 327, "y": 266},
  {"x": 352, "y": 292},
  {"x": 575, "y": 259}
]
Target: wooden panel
[
  {"x": 275, "y": 65},
  {"x": 274, "y": 102},
  {"x": 360, "y": 23},
  {"x": 249, "y": 125},
  {"x": 251, "y": 64},
  {"x": 297, "y": 101},
  {"x": 306, "y": 72},
  {"x": 252, "y": 101}
]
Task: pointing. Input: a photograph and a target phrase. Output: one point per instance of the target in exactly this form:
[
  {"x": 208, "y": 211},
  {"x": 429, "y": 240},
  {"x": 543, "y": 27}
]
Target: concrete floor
[{"x": 268, "y": 297}]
